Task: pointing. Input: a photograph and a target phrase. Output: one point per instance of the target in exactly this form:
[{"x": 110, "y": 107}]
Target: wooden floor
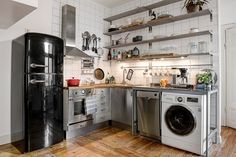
[{"x": 114, "y": 142}]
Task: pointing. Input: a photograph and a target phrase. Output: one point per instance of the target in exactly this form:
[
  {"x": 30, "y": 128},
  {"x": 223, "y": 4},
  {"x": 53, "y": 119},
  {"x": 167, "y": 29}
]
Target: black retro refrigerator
[{"x": 36, "y": 91}]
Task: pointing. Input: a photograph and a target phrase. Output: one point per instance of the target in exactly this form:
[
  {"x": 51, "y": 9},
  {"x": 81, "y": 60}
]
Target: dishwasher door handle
[
  {"x": 148, "y": 98},
  {"x": 150, "y": 95}
]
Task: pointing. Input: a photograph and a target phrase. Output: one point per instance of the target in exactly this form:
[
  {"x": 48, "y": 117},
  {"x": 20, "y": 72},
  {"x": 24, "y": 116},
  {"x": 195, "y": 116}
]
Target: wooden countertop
[
  {"x": 144, "y": 87},
  {"x": 103, "y": 86}
]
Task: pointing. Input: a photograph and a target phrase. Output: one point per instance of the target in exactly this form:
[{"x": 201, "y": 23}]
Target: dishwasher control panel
[{"x": 146, "y": 94}]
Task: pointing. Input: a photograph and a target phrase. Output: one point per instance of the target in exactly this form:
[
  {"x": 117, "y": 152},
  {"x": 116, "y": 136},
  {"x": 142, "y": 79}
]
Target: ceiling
[{"x": 111, "y": 3}]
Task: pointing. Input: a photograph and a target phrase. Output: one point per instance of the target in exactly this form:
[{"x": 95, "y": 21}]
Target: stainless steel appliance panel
[
  {"x": 121, "y": 105},
  {"x": 80, "y": 125},
  {"x": 79, "y": 106},
  {"x": 76, "y": 105},
  {"x": 69, "y": 31},
  {"x": 148, "y": 108}
]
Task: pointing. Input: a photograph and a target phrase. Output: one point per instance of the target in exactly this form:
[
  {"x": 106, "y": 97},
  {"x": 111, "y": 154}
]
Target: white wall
[
  {"x": 227, "y": 11},
  {"x": 227, "y": 20},
  {"x": 38, "y": 21},
  {"x": 5, "y": 84}
]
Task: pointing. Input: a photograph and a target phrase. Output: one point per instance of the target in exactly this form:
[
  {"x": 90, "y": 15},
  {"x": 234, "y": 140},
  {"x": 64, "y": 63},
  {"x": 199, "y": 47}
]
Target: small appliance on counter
[
  {"x": 180, "y": 80},
  {"x": 183, "y": 75}
]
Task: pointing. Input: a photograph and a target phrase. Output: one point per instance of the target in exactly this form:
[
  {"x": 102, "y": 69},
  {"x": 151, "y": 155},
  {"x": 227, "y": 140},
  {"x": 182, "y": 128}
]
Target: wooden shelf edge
[
  {"x": 140, "y": 9},
  {"x": 161, "y": 22},
  {"x": 162, "y": 39},
  {"x": 164, "y": 56}
]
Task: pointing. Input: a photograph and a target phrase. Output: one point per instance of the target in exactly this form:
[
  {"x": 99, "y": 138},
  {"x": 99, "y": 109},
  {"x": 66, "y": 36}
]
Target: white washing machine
[{"x": 183, "y": 121}]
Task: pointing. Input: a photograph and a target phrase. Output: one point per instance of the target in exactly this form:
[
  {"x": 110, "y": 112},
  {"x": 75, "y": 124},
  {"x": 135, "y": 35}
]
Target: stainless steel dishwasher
[{"x": 148, "y": 110}]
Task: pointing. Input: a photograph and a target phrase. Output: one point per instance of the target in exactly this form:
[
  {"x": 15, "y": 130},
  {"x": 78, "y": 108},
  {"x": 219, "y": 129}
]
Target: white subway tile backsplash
[{"x": 89, "y": 17}]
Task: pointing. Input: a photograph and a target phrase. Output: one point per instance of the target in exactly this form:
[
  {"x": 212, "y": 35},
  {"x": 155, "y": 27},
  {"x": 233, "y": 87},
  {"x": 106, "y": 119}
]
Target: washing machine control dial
[{"x": 180, "y": 99}]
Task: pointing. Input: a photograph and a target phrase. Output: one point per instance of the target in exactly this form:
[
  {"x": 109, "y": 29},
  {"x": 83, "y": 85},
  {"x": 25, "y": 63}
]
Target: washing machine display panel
[
  {"x": 191, "y": 99},
  {"x": 180, "y": 120}
]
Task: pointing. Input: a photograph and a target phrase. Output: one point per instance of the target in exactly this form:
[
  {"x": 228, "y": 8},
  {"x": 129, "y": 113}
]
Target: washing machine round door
[{"x": 180, "y": 120}]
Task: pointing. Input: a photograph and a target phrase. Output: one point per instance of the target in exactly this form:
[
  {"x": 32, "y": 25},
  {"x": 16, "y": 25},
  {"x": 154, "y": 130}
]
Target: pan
[{"x": 99, "y": 74}]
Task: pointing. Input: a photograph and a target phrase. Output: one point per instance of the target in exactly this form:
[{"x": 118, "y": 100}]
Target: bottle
[
  {"x": 107, "y": 81},
  {"x": 113, "y": 55},
  {"x": 119, "y": 55},
  {"x": 109, "y": 55}
]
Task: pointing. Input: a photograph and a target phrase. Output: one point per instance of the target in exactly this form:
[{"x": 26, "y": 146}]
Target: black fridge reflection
[{"x": 37, "y": 91}]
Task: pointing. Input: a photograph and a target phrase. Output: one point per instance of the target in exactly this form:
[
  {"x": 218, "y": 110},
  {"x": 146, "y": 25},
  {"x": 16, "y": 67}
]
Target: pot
[
  {"x": 73, "y": 82},
  {"x": 193, "y": 8}
]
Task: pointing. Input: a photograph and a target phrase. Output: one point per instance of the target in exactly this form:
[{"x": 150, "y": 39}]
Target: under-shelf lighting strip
[{"x": 166, "y": 66}]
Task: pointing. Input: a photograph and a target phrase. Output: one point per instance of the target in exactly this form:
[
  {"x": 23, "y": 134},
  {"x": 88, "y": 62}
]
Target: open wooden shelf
[
  {"x": 162, "y": 39},
  {"x": 141, "y": 9},
  {"x": 163, "y": 56},
  {"x": 161, "y": 21}
]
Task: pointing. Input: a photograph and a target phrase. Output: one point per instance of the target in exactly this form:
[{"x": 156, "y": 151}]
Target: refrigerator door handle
[
  {"x": 37, "y": 81},
  {"x": 33, "y": 65}
]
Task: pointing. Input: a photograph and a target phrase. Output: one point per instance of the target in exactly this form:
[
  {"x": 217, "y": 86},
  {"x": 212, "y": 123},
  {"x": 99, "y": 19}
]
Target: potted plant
[
  {"x": 204, "y": 80},
  {"x": 194, "y": 5}
]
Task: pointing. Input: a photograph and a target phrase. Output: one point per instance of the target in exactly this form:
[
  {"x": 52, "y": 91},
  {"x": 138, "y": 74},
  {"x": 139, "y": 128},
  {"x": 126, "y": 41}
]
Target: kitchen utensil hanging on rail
[
  {"x": 87, "y": 38},
  {"x": 93, "y": 38},
  {"x": 100, "y": 49}
]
